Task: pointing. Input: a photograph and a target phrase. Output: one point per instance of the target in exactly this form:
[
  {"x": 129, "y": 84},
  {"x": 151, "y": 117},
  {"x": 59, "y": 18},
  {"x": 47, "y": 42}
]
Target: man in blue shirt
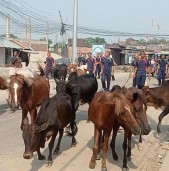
[
  {"x": 162, "y": 70},
  {"x": 50, "y": 62},
  {"x": 98, "y": 66},
  {"x": 140, "y": 70},
  {"x": 106, "y": 68},
  {"x": 90, "y": 63},
  {"x": 80, "y": 59}
]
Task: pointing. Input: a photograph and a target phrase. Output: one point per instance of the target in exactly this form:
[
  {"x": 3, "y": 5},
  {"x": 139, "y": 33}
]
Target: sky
[{"x": 138, "y": 16}]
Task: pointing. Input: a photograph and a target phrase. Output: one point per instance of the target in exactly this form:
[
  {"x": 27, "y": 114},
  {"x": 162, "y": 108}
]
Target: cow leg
[
  {"x": 92, "y": 163},
  {"x": 105, "y": 148},
  {"x": 124, "y": 168},
  {"x": 33, "y": 114},
  {"x": 51, "y": 144},
  {"x": 24, "y": 114},
  {"x": 100, "y": 145},
  {"x": 57, "y": 149},
  {"x": 112, "y": 144},
  {"x": 162, "y": 115},
  {"x": 129, "y": 146},
  {"x": 74, "y": 131},
  {"x": 40, "y": 156}
]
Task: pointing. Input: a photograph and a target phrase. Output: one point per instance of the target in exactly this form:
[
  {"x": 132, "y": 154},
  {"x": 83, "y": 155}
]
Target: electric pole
[
  {"x": 8, "y": 27},
  {"x": 29, "y": 32},
  {"x": 75, "y": 20}
]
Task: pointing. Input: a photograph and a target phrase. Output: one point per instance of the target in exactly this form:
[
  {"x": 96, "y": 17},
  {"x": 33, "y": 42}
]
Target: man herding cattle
[
  {"x": 142, "y": 65},
  {"x": 162, "y": 70},
  {"x": 50, "y": 63},
  {"x": 106, "y": 68}
]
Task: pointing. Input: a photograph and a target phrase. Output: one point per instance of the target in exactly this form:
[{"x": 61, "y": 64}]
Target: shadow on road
[
  {"x": 65, "y": 145},
  {"x": 119, "y": 152}
]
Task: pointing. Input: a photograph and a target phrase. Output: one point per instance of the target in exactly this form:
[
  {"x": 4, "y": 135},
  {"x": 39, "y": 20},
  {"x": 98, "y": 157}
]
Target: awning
[
  {"x": 8, "y": 44},
  {"x": 29, "y": 51}
]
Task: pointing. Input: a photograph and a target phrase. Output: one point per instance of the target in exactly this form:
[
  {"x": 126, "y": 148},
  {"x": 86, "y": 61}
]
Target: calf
[
  {"x": 54, "y": 114},
  {"x": 60, "y": 72}
]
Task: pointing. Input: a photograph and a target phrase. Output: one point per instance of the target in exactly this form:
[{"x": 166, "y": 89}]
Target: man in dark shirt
[
  {"x": 98, "y": 65},
  {"x": 90, "y": 63},
  {"x": 140, "y": 71},
  {"x": 106, "y": 67},
  {"x": 80, "y": 59},
  {"x": 162, "y": 70},
  {"x": 50, "y": 62}
]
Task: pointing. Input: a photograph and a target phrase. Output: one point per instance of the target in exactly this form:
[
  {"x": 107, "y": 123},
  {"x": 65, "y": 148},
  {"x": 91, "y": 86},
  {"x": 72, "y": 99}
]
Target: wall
[{"x": 2, "y": 55}]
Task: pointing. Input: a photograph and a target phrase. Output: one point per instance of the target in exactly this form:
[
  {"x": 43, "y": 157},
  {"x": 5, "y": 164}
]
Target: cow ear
[
  {"x": 29, "y": 81},
  {"x": 43, "y": 127},
  {"x": 135, "y": 96}
]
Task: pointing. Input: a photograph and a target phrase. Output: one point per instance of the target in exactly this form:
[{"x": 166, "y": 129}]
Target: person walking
[
  {"x": 106, "y": 67},
  {"x": 80, "y": 59},
  {"x": 16, "y": 60},
  {"x": 90, "y": 64},
  {"x": 98, "y": 65},
  {"x": 142, "y": 65},
  {"x": 133, "y": 69},
  {"x": 49, "y": 64},
  {"x": 162, "y": 70}
]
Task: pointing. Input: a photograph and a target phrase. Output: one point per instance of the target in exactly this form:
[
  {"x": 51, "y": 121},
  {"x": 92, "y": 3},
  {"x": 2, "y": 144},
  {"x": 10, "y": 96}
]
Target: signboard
[{"x": 97, "y": 49}]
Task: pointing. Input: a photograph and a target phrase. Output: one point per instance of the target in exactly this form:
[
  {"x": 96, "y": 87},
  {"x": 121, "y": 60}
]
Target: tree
[
  {"x": 49, "y": 41},
  {"x": 11, "y": 36},
  {"x": 90, "y": 41}
]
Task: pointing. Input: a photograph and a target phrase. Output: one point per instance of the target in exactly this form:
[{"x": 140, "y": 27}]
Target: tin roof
[{"x": 8, "y": 44}]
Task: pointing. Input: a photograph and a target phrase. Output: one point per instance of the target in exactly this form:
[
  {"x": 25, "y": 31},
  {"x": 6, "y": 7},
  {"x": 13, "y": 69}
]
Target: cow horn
[
  {"x": 29, "y": 81},
  {"x": 56, "y": 80}
]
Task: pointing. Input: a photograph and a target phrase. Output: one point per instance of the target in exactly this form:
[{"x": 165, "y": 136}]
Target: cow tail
[{"x": 42, "y": 73}]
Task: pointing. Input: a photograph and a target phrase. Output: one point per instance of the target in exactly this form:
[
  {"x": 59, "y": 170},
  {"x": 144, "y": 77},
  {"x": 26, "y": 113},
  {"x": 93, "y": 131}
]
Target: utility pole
[
  {"x": 74, "y": 57},
  {"x": 8, "y": 27},
  {"x": 47, "y": 35},
  {"x": 29, "y": 32},
  {"x": 26, "y": 32}
]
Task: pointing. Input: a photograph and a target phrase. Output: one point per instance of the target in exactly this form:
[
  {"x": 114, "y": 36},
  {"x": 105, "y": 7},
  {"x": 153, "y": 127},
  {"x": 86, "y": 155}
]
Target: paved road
[{"x": 77, "y": 159}]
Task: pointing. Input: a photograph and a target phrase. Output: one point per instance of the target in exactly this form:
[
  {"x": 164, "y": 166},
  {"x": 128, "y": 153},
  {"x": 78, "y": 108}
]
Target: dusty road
[{"x": 77, "y": 159}]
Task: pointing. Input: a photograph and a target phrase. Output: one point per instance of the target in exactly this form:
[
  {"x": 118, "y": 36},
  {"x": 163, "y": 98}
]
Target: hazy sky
[{"x": 139, "y": 16}]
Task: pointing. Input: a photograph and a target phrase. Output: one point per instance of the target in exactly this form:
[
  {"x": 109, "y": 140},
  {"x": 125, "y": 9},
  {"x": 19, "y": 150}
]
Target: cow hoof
[
  {"x": 125, "y": 169},
  {"x": 98, "y": 157},
  {"x": 140, "y": 147},
  {"x": 56, "y": 152},
  {"x": 49, "y": 163},
  {"x": 42, "y": 157},
  {"x": 128, "y": 158},
  {"x": 73, "y": 144},
  {"x": 104, "y": 169},
  {"x": 92, "y": 165},
  {"x": 115, "y": 157}
]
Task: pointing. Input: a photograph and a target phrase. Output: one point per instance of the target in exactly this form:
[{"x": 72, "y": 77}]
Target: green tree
[
  {"x": 90, "y": 41},
  {"x": 11, "y": 36}
]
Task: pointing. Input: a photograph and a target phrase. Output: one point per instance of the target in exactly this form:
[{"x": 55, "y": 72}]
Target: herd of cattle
[{"x": 108, "y": 111}]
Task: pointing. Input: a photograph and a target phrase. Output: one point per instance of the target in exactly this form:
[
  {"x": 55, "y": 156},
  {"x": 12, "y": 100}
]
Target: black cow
[
  {"x": 60, "y": 72},
  {"x": 55, "y": 114},
  {"x": 81, "y": 89}
]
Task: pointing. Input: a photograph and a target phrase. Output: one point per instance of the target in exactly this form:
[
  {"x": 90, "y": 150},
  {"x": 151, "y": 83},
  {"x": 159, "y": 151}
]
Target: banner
[{"x": 97, "y": 49}]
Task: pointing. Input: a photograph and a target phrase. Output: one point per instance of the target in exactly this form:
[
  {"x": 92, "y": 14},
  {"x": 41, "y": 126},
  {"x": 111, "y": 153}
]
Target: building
[{"x": 7, "y": 47}]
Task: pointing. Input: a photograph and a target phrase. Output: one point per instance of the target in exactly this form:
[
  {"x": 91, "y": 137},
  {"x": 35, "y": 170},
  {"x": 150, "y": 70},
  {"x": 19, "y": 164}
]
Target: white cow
[{"x": 6, "y": 73}]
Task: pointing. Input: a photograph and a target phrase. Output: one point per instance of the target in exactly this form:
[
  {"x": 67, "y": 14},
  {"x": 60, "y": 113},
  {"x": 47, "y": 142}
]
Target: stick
[{"x": 127, "y": 81}]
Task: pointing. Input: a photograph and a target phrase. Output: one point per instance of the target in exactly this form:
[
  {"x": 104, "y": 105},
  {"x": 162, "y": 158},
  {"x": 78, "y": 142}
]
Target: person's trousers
[
  {"x": 105, "y": 77},
  {"x": 98, "y": 70},
  {"x": 140, "y": 79},
  {"x": 161, "y": 76},
  {"x": 47, "y": 72}
]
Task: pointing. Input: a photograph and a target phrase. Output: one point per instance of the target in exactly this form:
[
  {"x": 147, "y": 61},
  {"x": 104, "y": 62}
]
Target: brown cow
[
  {"x": 28, "y": 93},
  {"x": 158, "y": 97},
  {"x": 74, "y": 68}
]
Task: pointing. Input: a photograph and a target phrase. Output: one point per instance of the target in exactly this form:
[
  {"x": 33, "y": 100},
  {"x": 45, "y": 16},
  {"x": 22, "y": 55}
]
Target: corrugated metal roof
[{"x": 8, "y": 44}]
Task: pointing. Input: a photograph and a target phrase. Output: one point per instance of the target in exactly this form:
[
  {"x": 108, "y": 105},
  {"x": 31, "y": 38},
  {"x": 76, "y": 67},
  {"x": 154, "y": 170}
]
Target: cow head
[
  {"x": 140, "y": 107},
  {"x": 72, "y": 68},
  {"x": 64, "y": 86},
  {"x": 17, "y": 87},
  {"x": 32, "y": 137}
]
